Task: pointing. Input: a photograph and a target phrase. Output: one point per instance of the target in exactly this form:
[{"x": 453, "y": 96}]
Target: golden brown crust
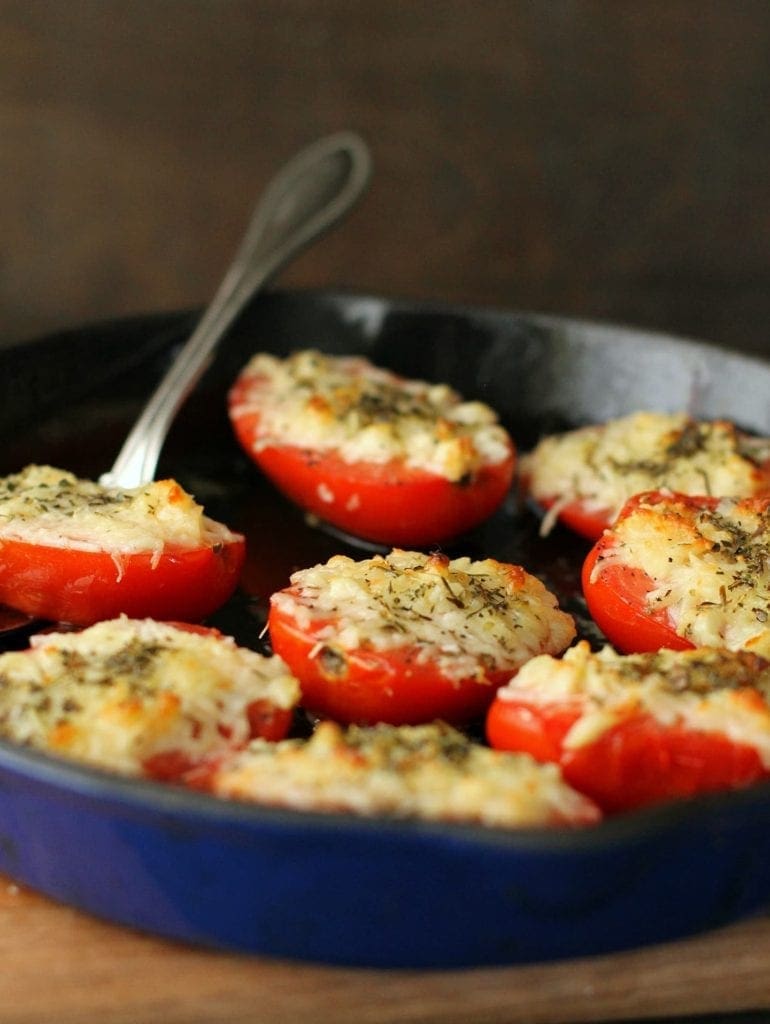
[{"x": 429, "y": 771}]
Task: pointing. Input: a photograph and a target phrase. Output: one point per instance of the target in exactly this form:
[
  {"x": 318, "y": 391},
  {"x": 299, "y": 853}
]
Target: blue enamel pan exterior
[{"x": 335, "y": 888}]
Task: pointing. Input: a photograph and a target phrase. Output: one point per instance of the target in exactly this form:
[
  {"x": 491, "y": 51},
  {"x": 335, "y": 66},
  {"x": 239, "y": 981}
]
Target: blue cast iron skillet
[{"x": 336, "y": 888}]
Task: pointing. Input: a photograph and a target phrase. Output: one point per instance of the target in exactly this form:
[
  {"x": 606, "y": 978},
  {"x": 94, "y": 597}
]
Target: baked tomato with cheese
[
  {"x": 429, "y": 771},
  {"x": 387, "y": 459},
  {"x": 72, "y": 550},
  {"x": 141, "y": 697},
  {"x": 583, "y": 477},
  {"x": 680, "y": 571},
  {"x": 408, "y": 637},
  {"x": 632, "y": 730}
]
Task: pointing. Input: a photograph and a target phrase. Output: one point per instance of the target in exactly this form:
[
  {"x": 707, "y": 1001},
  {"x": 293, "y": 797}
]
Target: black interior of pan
[{"x": 540, "y": 374}]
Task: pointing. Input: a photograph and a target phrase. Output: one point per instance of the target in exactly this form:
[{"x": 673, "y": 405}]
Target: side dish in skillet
[
  {"x": 401, "y": 462},
  {"x": 426, "y": 771},
  {"x": 583, "y": 477},
  {"x": 74, "y": 551},
  {"x": 677, "y": 571},
  {"x": 186, "y": 705},
  {"x": 409, "y": 637},
  {"x": 629, "y": 730},
  {"x": 142, "y": 697},
  {"x": 388, "y": 650}
]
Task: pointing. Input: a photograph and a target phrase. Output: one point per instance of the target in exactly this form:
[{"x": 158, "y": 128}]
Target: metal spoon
[
  {"x": 310, "y": 194},
  {"x": 306, "y": 198}
]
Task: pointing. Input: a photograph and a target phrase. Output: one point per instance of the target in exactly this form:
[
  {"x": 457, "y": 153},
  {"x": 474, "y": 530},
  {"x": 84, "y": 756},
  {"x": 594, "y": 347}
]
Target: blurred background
[{"x": 601, "y": 158}]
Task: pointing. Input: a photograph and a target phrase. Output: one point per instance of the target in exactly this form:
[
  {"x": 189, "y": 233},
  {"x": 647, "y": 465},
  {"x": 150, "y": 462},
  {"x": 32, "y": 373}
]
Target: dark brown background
[{"x": 606, "y": 159}]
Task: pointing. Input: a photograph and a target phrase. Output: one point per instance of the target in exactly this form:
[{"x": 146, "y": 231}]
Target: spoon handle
[{"x": 310, "y": 194}]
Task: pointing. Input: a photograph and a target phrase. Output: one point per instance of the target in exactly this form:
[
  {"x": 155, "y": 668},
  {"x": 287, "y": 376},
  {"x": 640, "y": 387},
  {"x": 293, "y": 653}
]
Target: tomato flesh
[
  {"x": 83, "y": 587},
  {"x": 616, "y": 600},
  {"x": 368, "y": 686},
  {"x": 389, "y": 503},
  {"x": 636, "y": 762}
]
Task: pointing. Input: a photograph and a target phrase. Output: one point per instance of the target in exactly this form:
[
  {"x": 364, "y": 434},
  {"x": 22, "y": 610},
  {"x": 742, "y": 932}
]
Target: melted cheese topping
[
  {"x": 124, "y": 690},
  {"x": 367, "y": 414},
  {"x": 706, "y": 689},
  {"x": 468, "y": 617},
  {"x": 428, "y": 771},
  {"x": 710, "y": 567},
  {"x": 602, "y": 466},
  {"x": 44, "y": 505}
]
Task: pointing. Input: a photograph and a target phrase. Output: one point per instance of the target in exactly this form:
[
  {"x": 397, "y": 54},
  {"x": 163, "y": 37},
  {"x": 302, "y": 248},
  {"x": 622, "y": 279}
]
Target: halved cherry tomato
[
  {"x": 389, "y": 502},
  {"x": 616, "y": 600},
  {"x": 68, "y": 584},
  {"x": 366, "y": 685},
  {"x": 635, "y": 762}
]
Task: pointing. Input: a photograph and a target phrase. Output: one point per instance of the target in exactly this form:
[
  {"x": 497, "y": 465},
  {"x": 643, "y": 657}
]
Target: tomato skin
[
  {"x": 83, "y": 587},
  {"x": 266, "y": 722},
  {"x": 530, "y": 728},
  {"x": 365, "y": 686},
  {"x": 388, "y": 503},
  {"x": 616, "y": 601},
  {"x": 168, "y": 766},
  {"x": 637, "y": 762}
]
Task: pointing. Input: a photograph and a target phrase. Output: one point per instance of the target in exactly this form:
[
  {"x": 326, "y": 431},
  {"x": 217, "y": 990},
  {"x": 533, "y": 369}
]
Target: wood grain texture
[
  {"x": 583, "y": 157},
  {"x": 60, "y": 965}
]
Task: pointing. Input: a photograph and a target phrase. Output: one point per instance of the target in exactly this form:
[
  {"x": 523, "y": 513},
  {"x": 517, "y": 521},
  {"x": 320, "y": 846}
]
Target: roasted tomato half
[
  {"x": 583, "y": 477},
  {"x": 631, "y": 730},
  {"x": 143, "y": 698},
  {"x": 681, "y": 571},
  {"x": 74, "y": 551},
  {"x": 385, "y": 459},
  {"x": 409, "y": 638}
]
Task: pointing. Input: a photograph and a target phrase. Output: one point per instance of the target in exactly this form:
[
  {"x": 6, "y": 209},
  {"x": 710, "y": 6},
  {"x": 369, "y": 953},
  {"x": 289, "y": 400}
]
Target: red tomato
[
  {"x": 390, "y": 503},
  {"x": 367, "y": 686},
  {"x": 616, "y": 600},
  {"x": 638, "y": 761},
  {"x": 675, "y": 450},
  {"x": 266, "y": 722},
  {"x": 83, "y": 587}
]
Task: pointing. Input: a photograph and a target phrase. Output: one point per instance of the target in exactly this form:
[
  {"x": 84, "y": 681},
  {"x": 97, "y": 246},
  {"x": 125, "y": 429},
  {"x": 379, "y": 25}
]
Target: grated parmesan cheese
[
  {"x": 710, "y": 567},
  {"x": 706, "y": 689},
  {"x": 124, "y": 690},
  {"x": 52, "y": 507},
  {"x": 429, "y": 771},
  {"x": 469, "y": 617},
  {"x": 365, "y": 413},
  {"x": 603, "y": 465}
]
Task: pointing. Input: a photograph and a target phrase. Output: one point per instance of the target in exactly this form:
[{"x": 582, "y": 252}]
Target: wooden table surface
[{"x": 60, "y": 965}]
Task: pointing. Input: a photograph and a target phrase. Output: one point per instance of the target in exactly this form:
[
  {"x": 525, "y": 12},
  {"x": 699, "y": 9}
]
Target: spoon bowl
[{"x": 309, "y": 195}]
